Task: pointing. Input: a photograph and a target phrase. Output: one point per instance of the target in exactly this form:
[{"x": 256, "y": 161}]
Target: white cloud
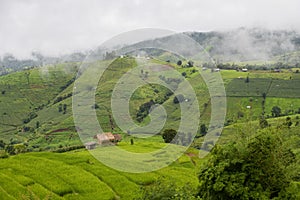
[{"x": 63, "y": 26}]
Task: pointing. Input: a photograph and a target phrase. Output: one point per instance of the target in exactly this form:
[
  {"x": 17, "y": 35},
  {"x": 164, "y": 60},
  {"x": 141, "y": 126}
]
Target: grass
[
  {"x": 30, "y": 91},
  {"x": 78, "y": 175},
  {"x": 35, "y": 91}
]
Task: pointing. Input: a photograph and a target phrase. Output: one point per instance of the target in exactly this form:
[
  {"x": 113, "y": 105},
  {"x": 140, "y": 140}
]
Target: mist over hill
[
  {"x": 237, "y": 45},
  {"x": 249, "y": 44}
]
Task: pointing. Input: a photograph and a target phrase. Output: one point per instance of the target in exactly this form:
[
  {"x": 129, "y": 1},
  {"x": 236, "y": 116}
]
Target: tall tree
[{"x": 259, "y": 168}]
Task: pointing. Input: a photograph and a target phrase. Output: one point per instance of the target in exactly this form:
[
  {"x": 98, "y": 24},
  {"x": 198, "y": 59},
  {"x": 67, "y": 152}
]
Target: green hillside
[
  {"x": 36, "y": 104},
  {"x": 36, "y": 115},
  {"x": 78, "y": 175}
]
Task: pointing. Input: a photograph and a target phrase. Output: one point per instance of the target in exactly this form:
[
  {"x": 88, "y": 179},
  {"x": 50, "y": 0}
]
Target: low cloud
[{"x": 63, "y": 26}]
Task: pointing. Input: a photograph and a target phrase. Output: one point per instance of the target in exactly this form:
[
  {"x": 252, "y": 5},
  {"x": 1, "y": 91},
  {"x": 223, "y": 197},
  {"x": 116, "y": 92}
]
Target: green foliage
[
  {"x": 247, "y": 79},
  {"x": 144, "y": 110},
  {"x": 190, "y": 63},
  {"x": 61, "y": 98},
  {"x": 263, "y": 123},
  {"x": 163, "y": 189},
  {"x": 178, "y": 99},
  {"x": 259, "y": 168},
  {"x": 276, "y": 111},
  {"x": 3, "y": 154},
  {"x": 288, "y": 122},
  {"x": 203, "y": 129},
  {"x": 2, "y": 144},
  {"x": 168, "y": 135},
  {"x": 69, "y": 148},
  {"x": 31, "y": 116}
]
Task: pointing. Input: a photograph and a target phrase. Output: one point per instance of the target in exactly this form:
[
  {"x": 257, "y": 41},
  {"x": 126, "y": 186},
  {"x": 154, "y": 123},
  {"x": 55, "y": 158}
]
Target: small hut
[{"x": 108, "y": 138}]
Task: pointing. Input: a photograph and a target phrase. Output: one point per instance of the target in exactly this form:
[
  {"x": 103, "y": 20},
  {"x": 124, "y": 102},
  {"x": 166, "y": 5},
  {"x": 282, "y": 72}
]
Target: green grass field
[{"x": 78, "y": 175}]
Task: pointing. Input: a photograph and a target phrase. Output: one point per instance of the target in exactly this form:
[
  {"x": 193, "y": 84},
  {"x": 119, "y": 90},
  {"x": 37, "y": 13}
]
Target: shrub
[
  {"x": 168, "y": 135},
  {"x": 178, "y": 98}
]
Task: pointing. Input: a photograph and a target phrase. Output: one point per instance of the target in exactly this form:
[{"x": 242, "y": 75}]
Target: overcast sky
[{"x": 62, "y": 26}]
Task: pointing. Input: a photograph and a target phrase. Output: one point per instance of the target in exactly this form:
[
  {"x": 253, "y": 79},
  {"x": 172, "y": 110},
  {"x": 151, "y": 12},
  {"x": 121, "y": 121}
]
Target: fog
[{"x": 64, "y": 26}]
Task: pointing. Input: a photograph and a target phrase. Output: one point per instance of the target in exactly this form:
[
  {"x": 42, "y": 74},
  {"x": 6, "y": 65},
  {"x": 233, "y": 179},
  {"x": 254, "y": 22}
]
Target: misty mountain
[
  {"x": 9, "y": 63},
  {"x": 238, "y": 45},
  {"x": 249, "y": 44}
]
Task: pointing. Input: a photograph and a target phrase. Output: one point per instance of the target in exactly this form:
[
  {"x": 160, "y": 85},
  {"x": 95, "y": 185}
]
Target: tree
[
  {"x": 240, "y": 114},
  {"x": 276, "y": 111},
  {"x": 179, "y": 62},
  {"x": 178, "y": 98},
  {"x": 168, "y": 135},
  {"x": 10, "y": 149},
  {"x": 190, "y": 63},
  {"x": 65, "y": 108},
  {"x": 258, "y": 168},
  {"x": 37, "y": 124},
  {"x": 247, "y": 79},
  {"x": 2, "y": 144},
  {"x": 95, "y": 106},
  {"x": 183, "y": 74},
  {"x": 60, "y": 108},
  {"x": 288, "y": 122},
  {"x": 203, "y": 129},
  {"x": 263, "y": 123}
]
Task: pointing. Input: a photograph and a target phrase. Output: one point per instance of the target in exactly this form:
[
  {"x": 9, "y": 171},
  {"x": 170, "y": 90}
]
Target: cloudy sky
[{"x": 55, "y": 27}]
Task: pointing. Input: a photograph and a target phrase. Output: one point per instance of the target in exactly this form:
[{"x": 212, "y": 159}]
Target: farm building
[
  {"x": 244, "y": 70},
  {"x": 108, "y": 138},
  {"x": 90, "y": 145}
]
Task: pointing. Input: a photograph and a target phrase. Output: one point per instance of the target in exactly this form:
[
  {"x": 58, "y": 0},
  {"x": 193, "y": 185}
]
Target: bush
[
  {"x": 168, "y": 135},
  {"x": 178, "y": 99},
  {"x": 162, "y": 189},
  {"x": 144, "y": 110},
  {"x": 70, "y": 148},
  {"x": 3, "y": 154},
  {"x": 276, "y": 111},
  {"x": 31, "y": 116}
]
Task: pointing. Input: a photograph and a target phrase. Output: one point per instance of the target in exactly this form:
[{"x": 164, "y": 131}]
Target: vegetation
[
  {"x": 257, "y": 156},
  {"x": 168, "y": 135},
  {"x": 60, "y": 176},
  {"x": 262, "y": 167}
]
